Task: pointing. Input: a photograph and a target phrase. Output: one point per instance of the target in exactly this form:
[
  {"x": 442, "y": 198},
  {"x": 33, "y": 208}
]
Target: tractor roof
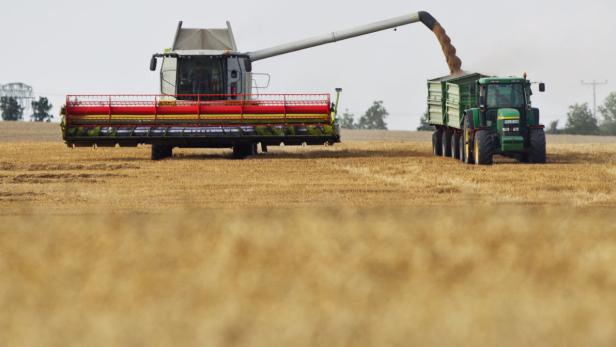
[{"x": 504, "y": 80}]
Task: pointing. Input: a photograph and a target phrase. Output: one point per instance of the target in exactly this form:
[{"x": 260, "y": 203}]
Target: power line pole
[{"x": 594, "y": 85}]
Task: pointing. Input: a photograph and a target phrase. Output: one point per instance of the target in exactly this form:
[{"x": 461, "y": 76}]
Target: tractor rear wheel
[
  {"x": 483, "y": 148},
  {"x": 446, "y": 143},
  {"x": 243, "y": 150},
  {"x": 436, "y": 142},
  {"x": 536, "y": 153},
  {"x": 466, "y": 144},
  {"x": 455, "y": 145},
  {"x": 160, "y": 152}
]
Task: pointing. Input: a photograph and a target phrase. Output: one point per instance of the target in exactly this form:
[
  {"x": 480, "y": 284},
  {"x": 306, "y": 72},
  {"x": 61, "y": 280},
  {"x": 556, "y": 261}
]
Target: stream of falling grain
[{"x": 453, "y": 61}]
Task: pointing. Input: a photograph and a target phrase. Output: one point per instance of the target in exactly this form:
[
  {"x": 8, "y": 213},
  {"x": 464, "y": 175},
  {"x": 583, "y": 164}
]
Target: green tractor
[{"x": 476, "y": 117}]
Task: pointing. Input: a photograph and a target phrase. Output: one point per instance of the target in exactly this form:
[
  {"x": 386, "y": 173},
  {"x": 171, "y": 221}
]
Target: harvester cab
[{"x": 204, "y": 62}]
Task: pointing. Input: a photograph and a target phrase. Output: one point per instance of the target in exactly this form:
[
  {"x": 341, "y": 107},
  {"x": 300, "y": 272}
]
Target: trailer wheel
[
  {"x": 446, "y": 143},
  {"x": 160, "y": 152},
  {"x": 483, "y": 148},
  {"x": 243, "y": 150},
  {"x": 461, "y": 147},
  {"x": 537, "y": 153},
  {"x": 436, "y": 142},
  {"x": 455, "y": 145}
]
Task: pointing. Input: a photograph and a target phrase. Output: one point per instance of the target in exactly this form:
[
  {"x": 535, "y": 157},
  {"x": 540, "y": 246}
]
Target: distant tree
[
  {"x": 41, "y": 110},
  {"x": 347, "y": 121},
  {"x": 11, "y": 109},
  {"x": 553, "y": 128},
  {"x": 374, "y": 118},
  {"x": 424, "y": 123},
  {"x": 608, "y": 111},
  {"x": 581, "y": 121}
]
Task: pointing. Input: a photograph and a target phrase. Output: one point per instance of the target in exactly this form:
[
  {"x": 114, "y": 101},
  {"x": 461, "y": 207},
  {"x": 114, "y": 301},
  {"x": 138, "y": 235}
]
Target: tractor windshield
[{"x": 506, "y": 95}]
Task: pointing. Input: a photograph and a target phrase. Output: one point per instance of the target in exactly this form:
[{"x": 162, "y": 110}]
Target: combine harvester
[
  {"x": 478, "y": 116},
  {"x": 206, "y": 99}
]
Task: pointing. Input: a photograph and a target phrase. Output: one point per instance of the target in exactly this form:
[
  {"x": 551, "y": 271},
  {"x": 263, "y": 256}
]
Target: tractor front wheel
[{"x": 536, "y": 153}]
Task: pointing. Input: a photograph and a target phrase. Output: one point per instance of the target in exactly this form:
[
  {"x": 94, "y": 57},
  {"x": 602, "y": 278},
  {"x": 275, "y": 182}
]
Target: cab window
[
  {"x": 200, "y": 75},
  {"x": 505, "y": 95}
]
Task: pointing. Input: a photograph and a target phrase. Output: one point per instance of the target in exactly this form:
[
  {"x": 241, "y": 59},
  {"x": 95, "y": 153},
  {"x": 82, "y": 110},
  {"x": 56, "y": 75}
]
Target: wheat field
[{"x": 370, "y": 242}]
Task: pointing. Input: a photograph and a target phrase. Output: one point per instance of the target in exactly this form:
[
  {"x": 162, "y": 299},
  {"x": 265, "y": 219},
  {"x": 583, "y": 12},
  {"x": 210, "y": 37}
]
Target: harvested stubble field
[{"x": 371, "y": 242}]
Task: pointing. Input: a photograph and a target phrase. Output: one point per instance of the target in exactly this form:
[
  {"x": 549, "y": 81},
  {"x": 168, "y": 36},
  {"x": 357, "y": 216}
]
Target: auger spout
[{"x": 422, "y": 16}]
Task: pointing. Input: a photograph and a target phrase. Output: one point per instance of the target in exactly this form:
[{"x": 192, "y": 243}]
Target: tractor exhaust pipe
[{"x": 421, "y": 16}]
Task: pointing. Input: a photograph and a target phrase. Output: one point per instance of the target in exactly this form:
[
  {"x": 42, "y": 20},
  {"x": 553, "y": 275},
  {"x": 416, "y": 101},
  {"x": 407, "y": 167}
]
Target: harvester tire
[
  {"x": 436, "y": 143},
  {"x": 160, "y": 152},
  {"x": 455, "y": 145},
  {"x": 243, "y": 150},
  {"x": 536, "y": 153},
  {"x": 446, "y": 143},
  {"x": 483, "y": 148}
]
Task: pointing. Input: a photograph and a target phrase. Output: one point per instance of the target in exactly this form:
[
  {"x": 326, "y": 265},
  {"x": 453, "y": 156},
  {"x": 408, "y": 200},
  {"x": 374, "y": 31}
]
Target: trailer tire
[
  {"x": 536, "y": 153},
  {"x": 160, "y": 152},
  {"x": 436, "y": 142},
  {"x": 461, "y": 147},
  {"x": 455, "y": 145},
  {"x": 446, "y": 143},
  {"x": 483, "y": 148},
  {"x": 243, "y": 150}
]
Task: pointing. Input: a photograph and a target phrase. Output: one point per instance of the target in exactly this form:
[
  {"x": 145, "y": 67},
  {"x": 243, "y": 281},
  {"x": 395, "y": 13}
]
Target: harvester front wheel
[
  {"x": 483, "y": 147},
  {"x": 537, "y": 151},
  {"x": 160, "y": 152},
  {"x": 436, "y": 142},
  {"x": 446, "y": 143},
  {"x": 243, "y": 150}
]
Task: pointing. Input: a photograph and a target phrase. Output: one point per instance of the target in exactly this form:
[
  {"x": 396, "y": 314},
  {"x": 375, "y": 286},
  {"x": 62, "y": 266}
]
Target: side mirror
[
  {"x": 248, "y": 65},
  {"x": 542, "y": 87},
  {"x": 482, "y": 102},
  {"x": 153, "y": 63}
]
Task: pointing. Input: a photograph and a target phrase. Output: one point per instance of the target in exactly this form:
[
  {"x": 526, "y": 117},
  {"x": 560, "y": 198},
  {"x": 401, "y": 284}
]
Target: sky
[{"x": 77, "y": 47}]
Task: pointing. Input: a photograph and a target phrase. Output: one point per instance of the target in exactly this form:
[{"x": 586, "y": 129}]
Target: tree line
[
  {"x": 582, "y": 121},
  {"x": 12, "y": 110},
  {"x": 373, "y": 118}
]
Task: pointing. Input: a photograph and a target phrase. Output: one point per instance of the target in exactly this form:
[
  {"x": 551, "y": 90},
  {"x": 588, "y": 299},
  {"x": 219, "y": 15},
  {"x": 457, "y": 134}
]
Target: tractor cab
[{"x": 500, "y": 97}]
